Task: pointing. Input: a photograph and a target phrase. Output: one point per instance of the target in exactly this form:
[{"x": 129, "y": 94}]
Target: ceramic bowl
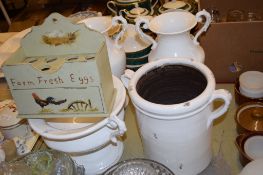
[
  {"x": 138, "y": 166},
  {"x": 249, "y": 117},
  {"x": 251, "y": 84},
  {"x": 240, "y": 98},
  {"x": 250, "y": 146}
]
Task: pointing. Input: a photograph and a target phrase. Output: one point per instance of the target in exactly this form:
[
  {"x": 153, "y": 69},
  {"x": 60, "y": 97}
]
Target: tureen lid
[
  {"x": 8, "y": 113},
  {"x": 137, "y": 11},
  {"x": 251, "y": 84},
  {"x": 174, "y": 5},
  {"x": 250, "y": 116}
]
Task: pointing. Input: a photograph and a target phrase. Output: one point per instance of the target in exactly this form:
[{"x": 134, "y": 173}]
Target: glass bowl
[
  {"x": 43, "y": 162},
  {"x": 138, "y": 167}
]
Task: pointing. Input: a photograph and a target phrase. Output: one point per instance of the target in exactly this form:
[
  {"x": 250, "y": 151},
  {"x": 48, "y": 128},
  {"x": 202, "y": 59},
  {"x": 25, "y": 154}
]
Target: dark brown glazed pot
[
  {"x": 240, "y": 142},
  {"x": 249, "y": 117},
  {"x": 241, "y": 99}
]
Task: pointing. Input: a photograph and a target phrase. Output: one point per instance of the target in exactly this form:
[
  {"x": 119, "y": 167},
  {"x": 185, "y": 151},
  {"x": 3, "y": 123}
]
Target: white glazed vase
[
  {"x": 117, "y": 57},
  {"x": 173, "y": 35},
  {"x": 177, "y": 135}
]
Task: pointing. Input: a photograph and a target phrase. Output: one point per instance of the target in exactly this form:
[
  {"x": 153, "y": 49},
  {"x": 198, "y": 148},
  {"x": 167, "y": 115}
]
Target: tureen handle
[
  {"x": 115, "y": 123},
  {"x": 223, "y": 95},
  {"x": 206, "y": 25},
  {"x": 115, "y": 21},
  {"x": 126, "y": 77},
  {"x": 144, "y": 22},
  {"x": 110, "y": 8}
]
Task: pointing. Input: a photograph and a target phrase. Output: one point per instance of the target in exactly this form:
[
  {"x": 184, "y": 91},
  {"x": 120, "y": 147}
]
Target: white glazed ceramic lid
[
  {"x": 253, "y": 168},
  {"x": 8, "y": 113},
  {"x": 174, "y": 5},
  {"x": 251, "y": 84},
  {"x": 253, "y": 147}
]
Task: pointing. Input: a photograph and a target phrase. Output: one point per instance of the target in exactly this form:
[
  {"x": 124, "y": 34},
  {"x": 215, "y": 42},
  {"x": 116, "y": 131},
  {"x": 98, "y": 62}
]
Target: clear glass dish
[
  {"x": 42, "y": 162},
  {"x": 138, "y": 167}
]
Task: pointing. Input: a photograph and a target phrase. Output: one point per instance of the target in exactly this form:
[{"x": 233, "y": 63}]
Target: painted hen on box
[{"x": 49, "y": 100}]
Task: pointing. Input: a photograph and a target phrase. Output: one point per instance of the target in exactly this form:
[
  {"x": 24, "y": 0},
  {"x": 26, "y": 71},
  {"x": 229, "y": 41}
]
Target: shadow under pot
[
  {"x": 250, "y": 147},
  {"x": 240, "y": 98},
  {"x": 249, "y": 117}
]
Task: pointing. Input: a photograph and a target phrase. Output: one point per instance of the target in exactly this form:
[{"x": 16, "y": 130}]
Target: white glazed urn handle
[
  {"x": 115, "y": 122},
  {"x": 198, "y": 17},
  {"x": 110, "y": 8},
  {"x": 223, "y": 95},
  {"x": 116, "y": 20},
  {"x": 145, "y": 24},
  {"x": 126, "y": 77}
]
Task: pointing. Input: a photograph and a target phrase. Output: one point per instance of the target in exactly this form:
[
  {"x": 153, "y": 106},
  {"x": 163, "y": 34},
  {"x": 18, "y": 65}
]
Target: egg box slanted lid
[{"x": 61, "y": 70}]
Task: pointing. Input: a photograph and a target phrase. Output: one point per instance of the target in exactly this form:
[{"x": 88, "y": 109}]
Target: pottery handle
[
  {"x": 126, "y": 77},
  {"x": 116, "y": 20},
  {"x": 153, "y": 5},
  {"x": 206, "y": 25},
  {"x": 141, "y": 21},
  {"x": 115, "y": 122},
  {"x": 123, "y": 12},
  {"x": 110, "y": 8},
  {"x": 223, "y": 95}
]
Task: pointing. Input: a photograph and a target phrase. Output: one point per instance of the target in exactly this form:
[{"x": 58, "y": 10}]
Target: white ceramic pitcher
[
  {"x": 116, "y": 53},
  {"x": 176, "y": 134},
  {"x": 174, "y": 38}
]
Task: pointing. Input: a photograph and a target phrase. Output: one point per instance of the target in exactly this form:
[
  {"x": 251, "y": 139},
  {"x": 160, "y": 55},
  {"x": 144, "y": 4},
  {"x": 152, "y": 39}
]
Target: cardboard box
[
  {"x": 229, "y": 44},
  {"x": 61, "y": 70}
]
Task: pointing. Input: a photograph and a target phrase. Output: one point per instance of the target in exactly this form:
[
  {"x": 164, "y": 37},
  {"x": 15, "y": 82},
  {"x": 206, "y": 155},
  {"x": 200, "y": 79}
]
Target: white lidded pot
[
  {"x": 103, "y": 24},
  {"x": 174, "y": 107},
  {"x": 173, "y": 34},
  {"x": 91, "y": 142}
]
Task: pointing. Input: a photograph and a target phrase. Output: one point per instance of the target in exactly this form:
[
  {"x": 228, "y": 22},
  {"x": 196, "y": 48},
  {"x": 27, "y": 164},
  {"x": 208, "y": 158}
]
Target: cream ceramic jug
[
  {"x": 116, "y": 53},
  {"x": 174, "y": 38}
]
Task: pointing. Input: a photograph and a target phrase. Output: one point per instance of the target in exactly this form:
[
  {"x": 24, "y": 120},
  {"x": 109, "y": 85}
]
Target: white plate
[{"x": 10, "y": 46}]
